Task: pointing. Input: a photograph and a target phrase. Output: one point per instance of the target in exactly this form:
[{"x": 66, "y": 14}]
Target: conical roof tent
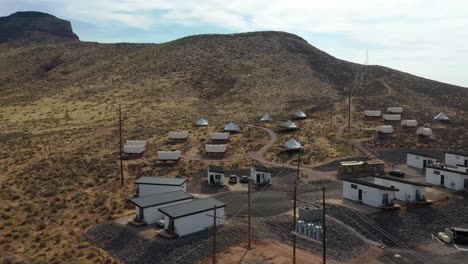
[
  {"x": 266, "y": 118},
  {"x": 231, "y": 127},
  {"x": 300, "y": 114},
  {"x": 201, "y": 122},
  {"x": 441, "y": 116},
  {"x": 292, "y": 144},
  {"x": 290, "y": 125}
]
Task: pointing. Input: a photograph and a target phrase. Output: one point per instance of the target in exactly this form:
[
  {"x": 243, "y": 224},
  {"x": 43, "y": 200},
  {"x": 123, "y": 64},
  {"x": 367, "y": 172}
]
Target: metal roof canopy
[
  {"x": 160, "y": 199},
  {"x": 154, "y": 180},
  {"x": 370, "y": 184},
  {"x": 215, "y": 168},
  {"x": 191, "y": 208}
]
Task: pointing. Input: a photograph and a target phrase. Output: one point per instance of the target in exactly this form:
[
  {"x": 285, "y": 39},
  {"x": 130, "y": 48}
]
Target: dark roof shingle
[
  {"x": 153, "y": 180},
  {"x": 370, "y": 184},
  {"x": 191, "y": 208},
  {"x": 214, "y": 168},
  {"x": 261, "y": 168},
  {"x": 390, "y": 178},
  {"x": 160, "y": 199}
]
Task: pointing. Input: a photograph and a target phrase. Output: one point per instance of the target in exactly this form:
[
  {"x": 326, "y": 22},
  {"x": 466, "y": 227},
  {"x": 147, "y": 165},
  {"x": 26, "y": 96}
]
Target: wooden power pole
[
  {"x": 214, "y": 234},
  {"x": 120, "y": 147},
  {"x": 249, "y": 231},
  {"x": 349, "y": 110},
  {"x": 294, "y": 210},
  {"x": 324, "y": 243}
]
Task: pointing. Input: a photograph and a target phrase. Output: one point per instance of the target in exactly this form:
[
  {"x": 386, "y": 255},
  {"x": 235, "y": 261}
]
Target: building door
[
  {"x": 465, "y": 185},
  {"x": 466, "y": 163},
  {"x": 360, "y": 195},
  {"x": 140, "y": 213},
  {"x": 171, "y": 225},
  {"x": 417, "y": 195},
  {"x": 424, "y": 163},
  {"x": 211, "y": 179},
  {"x": 258, "y": 178},
  {"x": 385, "y": 198},
  {"x": 442, "y": 180}
]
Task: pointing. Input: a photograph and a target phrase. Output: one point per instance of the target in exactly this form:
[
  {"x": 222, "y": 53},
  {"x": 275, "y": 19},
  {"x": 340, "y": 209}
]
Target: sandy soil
[{"x": 264, "y": 251}]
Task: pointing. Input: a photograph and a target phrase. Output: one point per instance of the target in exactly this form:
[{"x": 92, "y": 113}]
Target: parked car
[
  {"x": 160, "y": 222},
  {"x": 244, "y": 179},
  {"x": 233, "y": 179},
  {"x": 397, "y": 173}
]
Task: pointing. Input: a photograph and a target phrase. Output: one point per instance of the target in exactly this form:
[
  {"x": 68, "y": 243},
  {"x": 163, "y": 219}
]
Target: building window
[
  {"x": 437, "y": 172},
  {"x": 417, "y": 157},
  {"x": 353, "y": 186}
]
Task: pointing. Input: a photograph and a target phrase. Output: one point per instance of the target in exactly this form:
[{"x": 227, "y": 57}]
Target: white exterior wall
[
  {"x": 178, "y": 135},
  {"x": 133, "y": 149},
  {"x": 151, "y": 214},
  {"x": 215, "y": 148},
  {"x": 264, "y": 176},
  {"x": 220, "y": 136},
  {"x": 391, "y": 117},
  {"x": 395, "y": 109},
  {"x": 417, "y": 161},
  {"x": 462, "y": 168},
  {"x": 370, "y": 196},
  {"x": 452, "y": 179},
  {"x": 149, "y": 189},
  {"x": 194, "y": 223},
  {"x": 371, "y": 113},
  {"x": 169, "y": 155},
  {"x": 221, "y": 180},
  {"x": 454, "y": 159},
  {"x": 407, "y": 192}
]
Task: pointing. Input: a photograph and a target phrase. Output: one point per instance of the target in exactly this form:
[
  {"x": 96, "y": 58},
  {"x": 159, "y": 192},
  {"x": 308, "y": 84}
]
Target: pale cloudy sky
[{"x": 428, "y": 38}]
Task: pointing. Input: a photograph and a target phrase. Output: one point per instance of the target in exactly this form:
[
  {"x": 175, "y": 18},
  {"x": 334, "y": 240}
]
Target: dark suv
[{"x": 397, "y": 173}]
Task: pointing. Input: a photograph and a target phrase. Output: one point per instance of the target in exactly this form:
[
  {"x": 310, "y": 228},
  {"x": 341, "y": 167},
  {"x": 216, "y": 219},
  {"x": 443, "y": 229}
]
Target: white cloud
[{"x": 432, "y": 31}]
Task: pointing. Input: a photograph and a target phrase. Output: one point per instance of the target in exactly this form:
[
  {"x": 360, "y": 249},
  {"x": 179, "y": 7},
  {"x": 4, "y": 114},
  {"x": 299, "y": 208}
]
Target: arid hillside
[{"x": 59, "y": 121}]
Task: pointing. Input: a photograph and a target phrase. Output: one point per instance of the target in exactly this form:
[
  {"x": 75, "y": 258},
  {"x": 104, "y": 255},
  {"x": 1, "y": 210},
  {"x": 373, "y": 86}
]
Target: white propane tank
[
  {"x": 300, "y": 228},
  {"x": 310, "y": 229},
  {"x": 442, "y": 236},
  {"x": 318, "y": 232}
]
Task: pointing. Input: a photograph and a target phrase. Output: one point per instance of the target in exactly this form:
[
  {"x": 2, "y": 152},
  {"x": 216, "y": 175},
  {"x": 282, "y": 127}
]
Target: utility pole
[
  {"x": 294, "y": 211},
  {"x": 249, "y": 232},
  {"x": 349, "y": 110},
  {"x": 324, "y": 243},
  {"x": 331, "y": 114},
  {"x": 120, "y": 143},
  {"x": 214, "y": 234}
]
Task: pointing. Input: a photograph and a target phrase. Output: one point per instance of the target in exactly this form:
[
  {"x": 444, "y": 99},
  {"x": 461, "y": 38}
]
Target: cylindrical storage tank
[
  {"x": 300, "y": 227},
  {"x": 310, "y": 229},
  {"x": 442, "y": 236}
]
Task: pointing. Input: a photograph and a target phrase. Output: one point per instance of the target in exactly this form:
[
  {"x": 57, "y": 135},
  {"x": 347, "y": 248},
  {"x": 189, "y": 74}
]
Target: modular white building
[
  {"x": 448, "y": 178},
  {"x": 194, "y": 216},
  {"x": 368, "y": 193},
  {"x": 134, "y": 146},
  {"x": 395, "y": 109},
  {"x": 147, "y": 206},
  {"x": 220, "y": 136},
  {"x": 215, "y": 175},
  {"x": 151, "y": 185},
  {"x": 386, "y": 129},
  {"x": 456, "y": 159},
  {"x": 178, "y": 135},
  {"x": 260, "y": 175},
  {"x": 215, "y": 148},
  {"x": 419, "y": 161},
  {"x": 388, "y": 117},
  {"x": 408, "y": 191},
  {"x": 409, "y": 123},
  {"x": 169, "y": 155},
  {"x": 372, "y": 113}
]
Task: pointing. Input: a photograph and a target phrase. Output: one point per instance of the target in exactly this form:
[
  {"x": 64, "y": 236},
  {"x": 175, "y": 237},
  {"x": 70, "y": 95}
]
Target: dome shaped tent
[
  {"x": 424, "y": 131},
  {"x": 300, "y": 115},
  {"x": 201, "y": 122},
  {"x": 441, "y": 117},
  {"x": 372, "y": 113}
]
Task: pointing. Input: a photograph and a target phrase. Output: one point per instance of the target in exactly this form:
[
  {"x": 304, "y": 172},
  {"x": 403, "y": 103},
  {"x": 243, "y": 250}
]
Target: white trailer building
[
  {"x": 194, "y": 216},
  {"x": 385, "y": 129},
  {"x": 147, "y": 206},
  {"x": 419, "y": 161},
  {"x": 260, "y": 175},
  {"x": 372, "y": 113},
  {"x": 409, "y": 123},
  {"x": 151, "y": 185},
  {"x": 178, "y": 135},
  {"x": 223, "y": 136},
  {"x": 388, "y": 117},
  {"x": 134, "y": 146},
  {"x": 395, "y": 109},
  {"x": 215, "y": 175},
  {"x": 456, "y": 159},
  {"x": 215, "y": 148},
  {"x": 408, "y": 191},
  {"x": 169, "y": 155},
  {"x": 368, "y": 193},
  {"x": 448, "y": 178}
]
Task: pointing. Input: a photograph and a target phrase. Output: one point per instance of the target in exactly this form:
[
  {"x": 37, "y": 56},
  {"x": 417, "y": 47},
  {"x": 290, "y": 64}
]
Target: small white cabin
[
  {"x": 419, "y": 161},
  {"x": 231, "y": 127},
  {"x": 215, "y": 148},
  {"x": 368, "y": 193},
  {"x": 408, "y": 191},
  {"x": 300, "y": 115},
  {"x": 151, "y": 185},
  {"x": 169, "y": 155},
  {"x": 424, "y": 131},
  {"x": 409, "y": 123},
  {"x": 147, "y": 207},
  {"x": 201, "y": 122},
  {"x": 386, "y": 129},
  {"x": 289, "y": 125},
  {"x": 194, "y": 216},
  {"x": 220, "y": 136},
  {"x": 456, "y": 159},
  {"x": 372, "y": 113},
  {"x": 215, "y": 175},
  {"x": 180, "y": 135},
  {"x": 260, "y": 175},
  {"x": 448, "y": 178},
  {"x": 392, "y": 117},
  {"x": 395, "y": 109},
  {"x": 134, "y": 146},
  {"x": 266, "y": 118}
]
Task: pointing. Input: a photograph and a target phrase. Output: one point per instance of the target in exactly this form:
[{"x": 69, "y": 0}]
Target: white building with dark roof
[
  {"x": 369, "y": 193},
  {"x": 420, "y": 161},
  {"x": 446, "y": 177},
  {"x": 216, "y": 175},
  {"x": 260, "y": 175},
  {"x": 456, "y": 159},
  {"x": 408, "y": 191},
  {"x": 147, "y": 206},
  {"x": 194, "y": 216},
  {"x": 151, "y": 185}
]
